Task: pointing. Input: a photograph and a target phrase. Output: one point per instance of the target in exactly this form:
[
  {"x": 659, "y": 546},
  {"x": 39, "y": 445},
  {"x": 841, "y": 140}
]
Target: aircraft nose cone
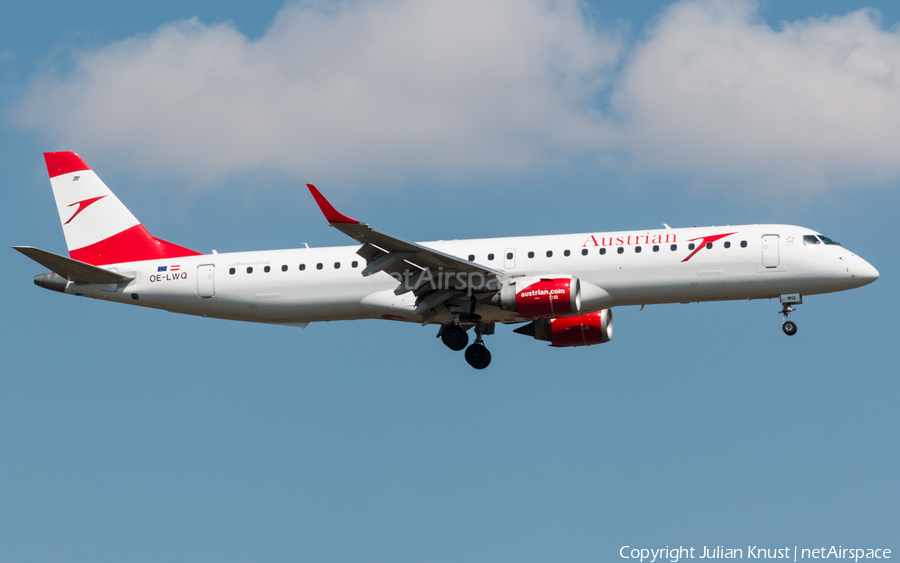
[{"x": 865, "y": 272}]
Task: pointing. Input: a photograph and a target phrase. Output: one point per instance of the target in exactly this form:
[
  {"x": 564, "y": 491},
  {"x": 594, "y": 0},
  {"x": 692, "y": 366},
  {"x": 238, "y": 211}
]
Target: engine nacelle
[
  {"x": 541, "y": 296},
  {"x": 548, "y": 296},
  {"x": 581, "y": 330}
]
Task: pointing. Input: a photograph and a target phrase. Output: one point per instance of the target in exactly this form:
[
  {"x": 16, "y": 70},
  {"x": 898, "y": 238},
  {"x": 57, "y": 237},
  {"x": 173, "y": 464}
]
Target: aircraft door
[
  {"x": 712, "y": 284},
  {"x": 770, "y": 257},
  {"x": 206, "y": 280},
  {"x": 509, "y": 258}
]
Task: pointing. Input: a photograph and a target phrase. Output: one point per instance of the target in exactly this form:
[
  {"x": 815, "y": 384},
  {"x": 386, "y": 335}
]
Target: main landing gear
[
  {"x": 455, "y": 337},
  {"x": 477, "y": 355}
]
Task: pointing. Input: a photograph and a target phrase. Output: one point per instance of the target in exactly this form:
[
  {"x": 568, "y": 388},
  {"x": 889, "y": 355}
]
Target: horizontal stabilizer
[{"x": 72, "y": 270}]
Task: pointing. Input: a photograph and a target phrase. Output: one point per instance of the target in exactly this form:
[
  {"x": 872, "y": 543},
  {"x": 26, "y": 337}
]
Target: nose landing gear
[{"x": 787, "y": 301}]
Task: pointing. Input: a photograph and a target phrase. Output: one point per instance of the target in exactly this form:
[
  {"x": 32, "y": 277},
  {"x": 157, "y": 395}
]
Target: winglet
[{"x": 331, "y": 214}]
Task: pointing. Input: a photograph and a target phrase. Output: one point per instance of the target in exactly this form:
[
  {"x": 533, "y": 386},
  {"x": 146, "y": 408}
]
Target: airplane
[{"x": 559, "y": 288}]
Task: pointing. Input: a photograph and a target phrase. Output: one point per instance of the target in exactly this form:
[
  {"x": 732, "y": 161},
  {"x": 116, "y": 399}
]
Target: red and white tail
[{"x": 99, "y": 229}]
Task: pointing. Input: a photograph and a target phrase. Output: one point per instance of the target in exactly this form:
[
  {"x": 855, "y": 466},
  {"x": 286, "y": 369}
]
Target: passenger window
[
  {"x": 319, "y": 266},
  {"x": 302, "y": 267},
  {"x": 567, "y": 253},
  {"x": 267, "y": 269},
  {"x": 354, "y": 264},
  {"x": 602, "y": 251},
  {"x": 673, "y": 248},
  {"x": 655, "y": 248},
  {"x": 531, "y": 254},
  {"x": 727, "y": 244},
  {"x": 490, "y": 256},
  {"x": 584, "y": 251},
  {"x": 549, "y": 254},
  {"x": 743, "y": 244},
  {"x": 708, "y": 245},
  {"x": 620, "y": 250},
  {"x": 637, "y": 249},
  {"x": 509, "y": 255},
  {"x": 231, "y": 271},
  {"x": 471, "y": 257},
  {"x": 249, "y": 269},
  {"x": 337, "y": 265},
  {"x": 284, "y": 268},
  {"x": 691, "y": 246}
]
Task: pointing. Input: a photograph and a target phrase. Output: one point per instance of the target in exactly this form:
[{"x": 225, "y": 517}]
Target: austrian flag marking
[{"x": 169, "y": 273}]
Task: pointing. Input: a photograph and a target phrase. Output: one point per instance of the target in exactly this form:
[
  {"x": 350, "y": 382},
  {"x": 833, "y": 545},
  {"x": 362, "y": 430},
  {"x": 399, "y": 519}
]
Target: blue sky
[{"x": 140, "y": 435}]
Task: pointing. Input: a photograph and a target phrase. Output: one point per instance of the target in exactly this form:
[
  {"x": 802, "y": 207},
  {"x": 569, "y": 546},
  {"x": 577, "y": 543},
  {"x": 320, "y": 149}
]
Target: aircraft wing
[
  {"x": 393, "y": 255},
  {"x": 70, "y": 269}
]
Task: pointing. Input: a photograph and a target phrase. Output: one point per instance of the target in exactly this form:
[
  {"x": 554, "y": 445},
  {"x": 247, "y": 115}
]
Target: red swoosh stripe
[
  {"x": 703, "y": 241},
  {"x": 82, "y": 205}
]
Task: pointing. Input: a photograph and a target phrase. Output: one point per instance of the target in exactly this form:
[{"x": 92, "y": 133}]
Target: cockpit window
[
  {"x": 827, "y": 240},
  {"x": 810, "y": 239}
]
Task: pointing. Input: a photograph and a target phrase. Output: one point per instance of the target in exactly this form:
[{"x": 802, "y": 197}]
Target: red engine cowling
[
  {"x": 537, "y": 297},
  {"x": 580, "y": 330}
]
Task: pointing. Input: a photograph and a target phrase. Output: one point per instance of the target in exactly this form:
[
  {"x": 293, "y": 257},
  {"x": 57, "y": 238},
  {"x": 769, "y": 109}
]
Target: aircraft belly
[
  {"x": 275, "y": 306},
  {"x": 685, "y": 286}
]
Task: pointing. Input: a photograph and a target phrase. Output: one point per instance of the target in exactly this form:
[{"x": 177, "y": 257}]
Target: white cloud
[
  {"x": 393, "y": 87},
  {"x": 401, "y": 88},
  {"x": 715, "y": 93}
]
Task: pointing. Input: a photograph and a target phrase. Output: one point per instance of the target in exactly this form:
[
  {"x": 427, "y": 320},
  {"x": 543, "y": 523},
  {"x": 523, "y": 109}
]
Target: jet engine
[
  {"x": 541, "y": 296},
  {"x": 554, "y": 295},
  {"x": 580, "y": 330}
]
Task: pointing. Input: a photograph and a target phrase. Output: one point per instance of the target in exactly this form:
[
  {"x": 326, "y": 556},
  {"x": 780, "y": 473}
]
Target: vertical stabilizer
[{"x": 98, "y": 228}]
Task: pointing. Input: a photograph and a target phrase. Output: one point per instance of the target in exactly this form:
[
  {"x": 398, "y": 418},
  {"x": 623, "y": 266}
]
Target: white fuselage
[{"x": 299, "y": 286}]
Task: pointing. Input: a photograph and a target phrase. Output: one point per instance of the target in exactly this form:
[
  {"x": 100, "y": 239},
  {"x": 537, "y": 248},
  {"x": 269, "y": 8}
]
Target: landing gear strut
[{"x": 477, "y": 355}]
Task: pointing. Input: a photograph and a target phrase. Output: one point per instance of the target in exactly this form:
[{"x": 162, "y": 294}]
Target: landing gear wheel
[
  {"x": 454, "y": 337},
  {"x": 789, "y": 328},
  {"x": 478, "y": 356}
]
